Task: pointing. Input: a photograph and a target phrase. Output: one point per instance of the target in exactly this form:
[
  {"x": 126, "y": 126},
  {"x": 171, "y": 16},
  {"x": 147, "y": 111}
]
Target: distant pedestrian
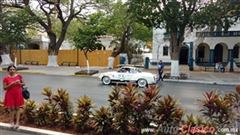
[
  {"x": 13, "y": 97},
  {"x": 221, "y": 67},
  {"x": 217, "y": 66},
  {"x": 160, "y": 70}
]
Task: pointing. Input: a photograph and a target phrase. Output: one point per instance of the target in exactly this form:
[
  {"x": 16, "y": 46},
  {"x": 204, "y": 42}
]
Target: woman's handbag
[{"x": 25, "y": 92}]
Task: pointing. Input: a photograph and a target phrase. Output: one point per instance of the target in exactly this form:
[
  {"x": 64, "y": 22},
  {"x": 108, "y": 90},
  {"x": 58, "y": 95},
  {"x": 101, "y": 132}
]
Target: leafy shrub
[
  {"x": 121, "y": 100},
  {"x": 57, "y": 110},
  {"x": 221, "y": 109},
  {"x": 215, "y": 107},
  {"x": 103, "y": 121},
  {"x": 29, "y": 111},
  {"x": 62, "y": 101},
  {"x": 43, "y": 115},
  {"x": 197, "y": 122},
  {"x": 47, "y": 112},
  {"x": 167, "y": 113},
  {"x": 3, "y": 110},
  {"x": 132, "y": 110},
  {"x": 82, "y": 121}
]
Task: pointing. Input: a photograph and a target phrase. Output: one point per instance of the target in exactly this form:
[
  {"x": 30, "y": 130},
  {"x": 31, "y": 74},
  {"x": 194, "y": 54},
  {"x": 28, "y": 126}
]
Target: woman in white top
[{"x": 217, "y": 66}]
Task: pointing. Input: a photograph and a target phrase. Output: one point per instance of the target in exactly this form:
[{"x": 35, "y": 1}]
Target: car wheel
[
  {"x": 106, "y": 80},
  {"x": 142, "y": 82}
]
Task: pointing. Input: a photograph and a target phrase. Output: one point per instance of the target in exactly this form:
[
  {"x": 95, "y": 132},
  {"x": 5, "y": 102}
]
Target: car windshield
[
  {"x": 129, "y": 70},
  {"x": 138, "y": 70}
]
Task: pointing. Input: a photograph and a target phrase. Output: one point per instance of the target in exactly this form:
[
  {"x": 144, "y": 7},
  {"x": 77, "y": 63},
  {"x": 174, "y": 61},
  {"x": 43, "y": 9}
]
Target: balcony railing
[
  {"x": 167, "y": 35},
  {"x": 218, "y": 34}
]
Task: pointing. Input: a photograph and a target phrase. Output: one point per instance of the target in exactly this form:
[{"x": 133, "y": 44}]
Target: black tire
[{"x": 106, "y": 80}]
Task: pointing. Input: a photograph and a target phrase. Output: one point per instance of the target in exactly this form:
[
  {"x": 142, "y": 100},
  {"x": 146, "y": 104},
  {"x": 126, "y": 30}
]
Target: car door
[
  {"x": 121, "y": 74},
  {"x": 129, "y": 75}
]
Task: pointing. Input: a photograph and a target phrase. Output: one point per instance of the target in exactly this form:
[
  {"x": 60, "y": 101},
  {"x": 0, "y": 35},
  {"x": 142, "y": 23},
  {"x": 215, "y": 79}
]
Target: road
[{"x": 77, "y": 86}]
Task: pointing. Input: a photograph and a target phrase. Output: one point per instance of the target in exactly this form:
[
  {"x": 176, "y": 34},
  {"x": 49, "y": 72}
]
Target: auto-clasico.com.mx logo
[{"x": 188, "y": 129}]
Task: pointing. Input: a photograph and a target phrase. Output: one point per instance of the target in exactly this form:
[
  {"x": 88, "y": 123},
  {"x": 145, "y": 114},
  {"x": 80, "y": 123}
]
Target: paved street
[{"x": 209, "y": 77}]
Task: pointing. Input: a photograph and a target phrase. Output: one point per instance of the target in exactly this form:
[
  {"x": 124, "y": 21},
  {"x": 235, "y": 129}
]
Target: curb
[
  {"x": 30, "y": 130},
  {"x": 203, "y": 82},
  {"x": 80, "y": 75},
  {"x": 25, "y": 72}
]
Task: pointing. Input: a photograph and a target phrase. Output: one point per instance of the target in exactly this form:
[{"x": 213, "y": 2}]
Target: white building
[
  {"x": 41, "y": 42},
  {"x": 205, "y": 50}
]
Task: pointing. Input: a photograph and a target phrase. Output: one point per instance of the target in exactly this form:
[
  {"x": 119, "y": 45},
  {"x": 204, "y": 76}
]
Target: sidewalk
[
  {"x": 227, "y": 78},
  {"x": 30, "y": 130}
]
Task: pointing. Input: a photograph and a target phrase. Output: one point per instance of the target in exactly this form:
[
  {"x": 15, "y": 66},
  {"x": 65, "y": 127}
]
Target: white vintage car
[{"x": 127, "y": 74}]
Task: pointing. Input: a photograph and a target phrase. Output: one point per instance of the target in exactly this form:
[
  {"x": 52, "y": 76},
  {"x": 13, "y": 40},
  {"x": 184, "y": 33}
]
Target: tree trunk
[
  {"x": 124, "y": 41},
  {"x": 5, "y": 56},
  {"x": 175, "y": 48},
  {"x": 130, "y": 56},
  {"x": 52, "y": 50},
  {"x": 85, "y": 54},
  {"x": 115, "y": 54},
  {"x": 6, "y": 60},
  {"x": 3, "y": 49}
]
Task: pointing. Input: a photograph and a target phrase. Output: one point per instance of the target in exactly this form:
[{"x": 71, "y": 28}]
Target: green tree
[
  {"x": 122, "y": 26},
  {"x": 175, "y": 16},
  {"x": 87, "y": 37},
  {"x": 219, "y": 15},
  {"x": 14, "y": 25},
  {"x": 3, "y": 47},
  {"x": 50, "y": 11}
]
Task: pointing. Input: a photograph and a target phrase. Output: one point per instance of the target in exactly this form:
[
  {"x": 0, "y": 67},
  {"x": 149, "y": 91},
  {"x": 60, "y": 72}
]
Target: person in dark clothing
[
  {"x": 160, "y": 70},
  {"x": 221, "y": 67}
]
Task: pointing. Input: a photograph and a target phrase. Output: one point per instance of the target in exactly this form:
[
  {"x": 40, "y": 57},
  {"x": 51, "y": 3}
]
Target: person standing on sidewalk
[
  {"x": 160, "y": 70},
  {"x": 13, "y": 97}
]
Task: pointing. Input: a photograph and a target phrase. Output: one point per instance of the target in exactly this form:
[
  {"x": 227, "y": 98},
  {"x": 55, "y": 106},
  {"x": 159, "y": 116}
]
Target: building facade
[
  {"x": 40, "y": 42},
  {"x": 201, "y": 49}
]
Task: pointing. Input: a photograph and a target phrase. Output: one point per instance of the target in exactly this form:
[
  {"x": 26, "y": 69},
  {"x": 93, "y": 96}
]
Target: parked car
[{"x": 127, "y": 74}]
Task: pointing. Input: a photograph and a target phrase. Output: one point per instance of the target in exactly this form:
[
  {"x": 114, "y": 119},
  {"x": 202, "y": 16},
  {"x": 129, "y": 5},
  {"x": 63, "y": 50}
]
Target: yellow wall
[{"x": 96, "y": 58}]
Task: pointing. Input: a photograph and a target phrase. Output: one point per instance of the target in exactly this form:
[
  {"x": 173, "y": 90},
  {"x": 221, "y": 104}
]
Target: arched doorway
[
  {"x": 236, "y": 55},
  {"x": 202, "y": 54},
  {"x": 236, "y": 51},
  {"x": 183, "y": 57},
  {"x": 218, "y": 53}
]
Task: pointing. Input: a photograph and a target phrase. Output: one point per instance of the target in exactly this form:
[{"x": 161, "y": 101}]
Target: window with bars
[
  {"x": 165, "y": 51},
  {"x": 235, "y": 51}
]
